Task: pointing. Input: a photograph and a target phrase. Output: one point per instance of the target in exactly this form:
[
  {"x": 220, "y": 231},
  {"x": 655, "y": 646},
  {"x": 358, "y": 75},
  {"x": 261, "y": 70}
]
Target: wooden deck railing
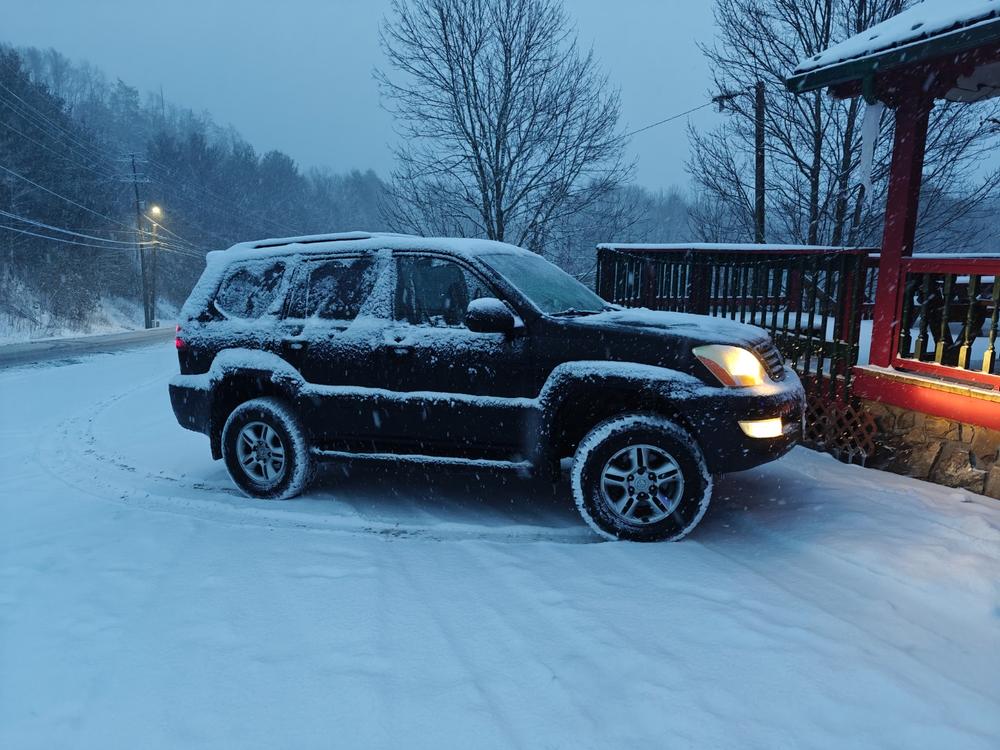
[
  {"x": 810, "y": 300},
  {"x": 948, "y": 312}
]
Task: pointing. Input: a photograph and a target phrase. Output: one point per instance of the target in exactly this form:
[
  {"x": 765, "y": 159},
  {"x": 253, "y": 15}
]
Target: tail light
[{"x": 178, "y": 341}]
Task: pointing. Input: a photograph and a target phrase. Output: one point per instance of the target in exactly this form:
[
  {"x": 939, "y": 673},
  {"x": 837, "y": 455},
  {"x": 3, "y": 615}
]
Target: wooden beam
[
  {"x": 900, "y": 221},
  {"x": 936, "y": 399}
]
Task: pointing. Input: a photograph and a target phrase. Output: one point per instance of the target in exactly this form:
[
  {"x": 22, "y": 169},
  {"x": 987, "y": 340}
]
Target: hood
[{"x": 697, "y": 328}]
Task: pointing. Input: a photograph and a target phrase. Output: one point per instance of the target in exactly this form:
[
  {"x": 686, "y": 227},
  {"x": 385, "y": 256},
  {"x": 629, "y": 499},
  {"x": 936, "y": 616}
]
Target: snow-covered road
[{"x": 143, "y": 603}]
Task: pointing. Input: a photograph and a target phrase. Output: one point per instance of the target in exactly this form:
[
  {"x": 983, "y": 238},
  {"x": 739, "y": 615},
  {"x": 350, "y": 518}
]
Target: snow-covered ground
[
  {"x": 113, "y": 315},
  {"x": 143, "y": 603}
]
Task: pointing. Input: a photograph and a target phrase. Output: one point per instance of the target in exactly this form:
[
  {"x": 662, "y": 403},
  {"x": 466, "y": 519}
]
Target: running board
[{"x": 417, "y": 458}]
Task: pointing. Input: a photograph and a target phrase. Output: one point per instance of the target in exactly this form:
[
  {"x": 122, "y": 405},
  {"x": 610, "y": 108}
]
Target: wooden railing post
[
  {"x": 900, "y": 221},
  {"x": 701, "y": 292},
  {"x": 648, "y": 283}
]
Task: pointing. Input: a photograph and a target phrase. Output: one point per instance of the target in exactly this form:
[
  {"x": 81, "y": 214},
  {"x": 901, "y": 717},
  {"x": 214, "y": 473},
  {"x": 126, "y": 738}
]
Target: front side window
[
  {"x": 432, "y": 291},
  {"x": 250, "y": 290},
  {"x": 333, "y": 289}
]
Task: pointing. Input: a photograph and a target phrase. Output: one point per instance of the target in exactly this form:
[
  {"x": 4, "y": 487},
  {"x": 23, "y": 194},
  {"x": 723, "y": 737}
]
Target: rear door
[{"x": 329, "y": 334}]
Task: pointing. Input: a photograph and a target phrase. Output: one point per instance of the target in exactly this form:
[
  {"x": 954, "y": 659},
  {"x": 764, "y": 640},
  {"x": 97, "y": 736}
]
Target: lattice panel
[{"x": 844, "y": 429}]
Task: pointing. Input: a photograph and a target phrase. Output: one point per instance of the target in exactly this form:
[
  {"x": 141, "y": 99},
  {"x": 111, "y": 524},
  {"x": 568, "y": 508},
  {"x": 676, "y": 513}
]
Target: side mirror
[{"x": 489, "y": 315}]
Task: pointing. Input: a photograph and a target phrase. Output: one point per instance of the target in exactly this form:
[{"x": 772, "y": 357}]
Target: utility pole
[
  {"x": 758, "y": 210},
  {"x": 153, "y": 247},
  {"x": 147, "y": 321},
  {"x": 759, "y": 163}
]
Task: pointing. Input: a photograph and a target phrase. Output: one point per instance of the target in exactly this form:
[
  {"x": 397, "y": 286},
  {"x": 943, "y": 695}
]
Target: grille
[{"x": 772, "y": 359}]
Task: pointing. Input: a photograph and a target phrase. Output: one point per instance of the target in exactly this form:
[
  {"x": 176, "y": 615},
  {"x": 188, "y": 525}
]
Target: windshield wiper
[{"x": 572, "y": 312}]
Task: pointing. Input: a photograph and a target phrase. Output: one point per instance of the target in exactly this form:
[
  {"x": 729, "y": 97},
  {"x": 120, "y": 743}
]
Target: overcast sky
[{"x": 296, "y": 75}]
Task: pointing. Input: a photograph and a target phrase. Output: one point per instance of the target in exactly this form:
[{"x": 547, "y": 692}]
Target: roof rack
[{"x": 307, "y": 239}]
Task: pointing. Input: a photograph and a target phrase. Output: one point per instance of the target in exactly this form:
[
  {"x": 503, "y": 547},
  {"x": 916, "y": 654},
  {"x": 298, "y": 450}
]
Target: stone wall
[{"x": 939, "y": 450}]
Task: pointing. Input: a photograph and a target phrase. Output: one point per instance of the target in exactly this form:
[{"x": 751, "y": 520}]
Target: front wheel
[
  {"x": 265, "y": 450},
  {"x": 640, "y": 478}
]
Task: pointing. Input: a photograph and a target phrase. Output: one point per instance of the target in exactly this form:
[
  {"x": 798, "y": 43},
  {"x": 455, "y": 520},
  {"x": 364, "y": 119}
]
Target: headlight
[{"x": 734, "y": 366}]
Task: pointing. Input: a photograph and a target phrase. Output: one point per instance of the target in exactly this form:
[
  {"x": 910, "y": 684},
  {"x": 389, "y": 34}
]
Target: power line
[
  {"x": 57, "y": 134},
  {"x": 234, "y": 209},
  {"x": 62, "y": 230},
  {"x": 714, "y": 100},
  {"x": 106, "y": 175},
  {"x": 668, "y": 119},
  {"x": 75, "y": 145},
  {"x": 172, "y": 234},
  {"x": 60, "y": 129},
  {"x": 55, "y": 239},
  {"x": 64, "y": 198},
  {"x": 77, "y": 243}
]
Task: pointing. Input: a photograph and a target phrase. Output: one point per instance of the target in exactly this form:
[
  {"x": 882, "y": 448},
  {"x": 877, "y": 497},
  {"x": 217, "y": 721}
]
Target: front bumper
[{"x": 715, "y": 419}]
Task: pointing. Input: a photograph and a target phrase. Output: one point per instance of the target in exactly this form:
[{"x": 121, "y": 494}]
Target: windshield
[{"x": 551, "y": 289}]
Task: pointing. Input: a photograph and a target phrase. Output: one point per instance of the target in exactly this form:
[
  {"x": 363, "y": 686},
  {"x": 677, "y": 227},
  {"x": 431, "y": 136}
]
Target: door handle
[
  {"x": 401, "y": 349},
  {"x": 294, "y": 344}
]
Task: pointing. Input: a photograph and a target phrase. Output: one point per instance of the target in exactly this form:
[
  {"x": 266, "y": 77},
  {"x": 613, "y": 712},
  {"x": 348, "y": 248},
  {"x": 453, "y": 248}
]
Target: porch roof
[{"x": 962, "y": 36}]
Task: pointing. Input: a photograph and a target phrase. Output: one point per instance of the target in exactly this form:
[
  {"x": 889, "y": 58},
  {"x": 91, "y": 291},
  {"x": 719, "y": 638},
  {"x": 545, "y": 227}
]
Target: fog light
[{"x": 762, "y": 428}]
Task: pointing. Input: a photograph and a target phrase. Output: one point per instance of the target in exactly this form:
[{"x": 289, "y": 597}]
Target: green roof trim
[{"x": 857, "y": 69}]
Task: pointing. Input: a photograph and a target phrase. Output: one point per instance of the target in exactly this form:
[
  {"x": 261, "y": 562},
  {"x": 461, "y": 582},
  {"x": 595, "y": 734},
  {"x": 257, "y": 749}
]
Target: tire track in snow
[
  {"x": 532, "y": 620},
  {"x": 115, "y": 480},
  {"x": 490, "y": 699}
]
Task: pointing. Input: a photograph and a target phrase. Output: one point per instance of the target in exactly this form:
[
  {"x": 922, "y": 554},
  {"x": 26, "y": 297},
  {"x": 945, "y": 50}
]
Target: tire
[
  {"x": 265, "y": 450},
  {"x": 662, "y": 502}
]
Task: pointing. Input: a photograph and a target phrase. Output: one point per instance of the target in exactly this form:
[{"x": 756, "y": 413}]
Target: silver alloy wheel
[
  {"x": 642, "y": 484},
  {"x": 261, "y": 453}
]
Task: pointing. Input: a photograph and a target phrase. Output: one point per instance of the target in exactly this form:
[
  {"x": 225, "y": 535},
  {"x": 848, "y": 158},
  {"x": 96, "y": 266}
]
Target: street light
[{"x": 155, "y": 212}]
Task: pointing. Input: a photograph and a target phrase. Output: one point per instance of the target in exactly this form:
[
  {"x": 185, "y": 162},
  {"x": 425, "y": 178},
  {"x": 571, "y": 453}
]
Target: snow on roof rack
[{"x": 310, "y": 239}]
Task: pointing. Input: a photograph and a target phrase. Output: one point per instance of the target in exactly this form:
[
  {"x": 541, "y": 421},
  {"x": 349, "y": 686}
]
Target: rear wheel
[
  {"x": 641, "y": 478},
  {"x": 265, "y": 450}
]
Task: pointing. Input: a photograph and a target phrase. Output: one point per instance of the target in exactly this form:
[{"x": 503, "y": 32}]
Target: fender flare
[
  {"x": 238, "y": 363},
  {"x": 569, "y": 379}
]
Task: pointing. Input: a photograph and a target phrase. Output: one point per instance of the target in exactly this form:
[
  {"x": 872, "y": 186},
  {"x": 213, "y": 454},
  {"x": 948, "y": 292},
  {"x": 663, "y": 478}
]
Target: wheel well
[
  {"x": 232, "y": 391},
  {"x": 585, "y": 408}
]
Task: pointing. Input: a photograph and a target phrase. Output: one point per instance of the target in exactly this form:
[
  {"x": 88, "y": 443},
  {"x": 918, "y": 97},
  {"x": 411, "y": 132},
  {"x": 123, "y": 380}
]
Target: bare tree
[
  {"x": 505, "y": 127},
  {"x": 813, "y": 141}
]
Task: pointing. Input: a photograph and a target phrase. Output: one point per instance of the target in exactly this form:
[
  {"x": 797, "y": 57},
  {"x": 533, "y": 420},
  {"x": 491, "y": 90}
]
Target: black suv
[{"x": 448, "y": 351}]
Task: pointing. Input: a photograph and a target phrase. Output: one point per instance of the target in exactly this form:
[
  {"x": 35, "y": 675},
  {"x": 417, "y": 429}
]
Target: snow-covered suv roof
[{"x": 366, "y": 241}]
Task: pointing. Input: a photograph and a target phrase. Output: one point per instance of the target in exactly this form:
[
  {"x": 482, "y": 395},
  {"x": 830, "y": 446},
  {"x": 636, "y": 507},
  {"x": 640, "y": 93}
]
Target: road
[
  {"x": 46, "y": 350},
  {"x": 145, "y": 603}
]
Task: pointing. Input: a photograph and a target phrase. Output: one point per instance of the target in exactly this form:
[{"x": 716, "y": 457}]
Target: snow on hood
[
  {"x": 927, "y": 19},
  {"x": 719, "y": 330}
]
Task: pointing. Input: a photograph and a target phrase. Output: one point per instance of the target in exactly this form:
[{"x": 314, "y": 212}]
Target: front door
[{"x": 456, "y": 392}]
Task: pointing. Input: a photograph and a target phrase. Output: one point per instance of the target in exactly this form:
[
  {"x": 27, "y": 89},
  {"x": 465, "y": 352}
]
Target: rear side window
[
  {"x": 332, "y": 289},
  {"x": 249, "y": 291}
]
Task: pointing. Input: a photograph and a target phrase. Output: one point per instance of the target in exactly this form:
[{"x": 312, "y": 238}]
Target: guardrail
[
  {"x": 810, "y": 300},
  {"x": 948, "y": 311}
]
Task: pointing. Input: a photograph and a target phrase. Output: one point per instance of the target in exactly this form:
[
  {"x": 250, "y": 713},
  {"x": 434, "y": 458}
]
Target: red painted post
[{"x": 900, "y": 222}]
